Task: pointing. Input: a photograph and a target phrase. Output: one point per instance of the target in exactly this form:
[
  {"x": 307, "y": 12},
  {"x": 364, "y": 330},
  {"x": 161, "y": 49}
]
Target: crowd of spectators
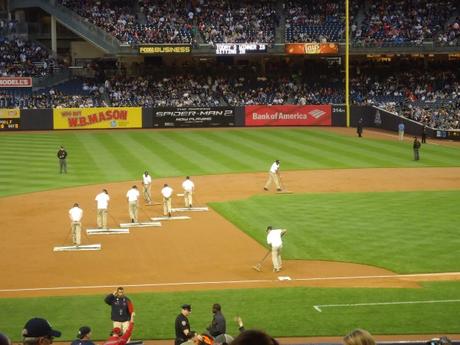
[
  {"x": 25, "y": 58},
  {"x": 224, "y": 21},
  {"x": 428, "y": 94},
  {"x": 373, "y": 22},
  {"x": 315, "y": 21},
  {"x": 220, "y": 86},
  {"x": 161, "y": 22},
  {"x": 389, "y": 22}
]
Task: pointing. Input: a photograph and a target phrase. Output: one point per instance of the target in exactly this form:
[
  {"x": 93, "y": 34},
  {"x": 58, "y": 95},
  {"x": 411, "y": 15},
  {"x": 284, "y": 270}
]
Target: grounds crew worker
[
  {"x": 189, "y": 188},
  {"x": 275, "y": 241},
  {"x": 147, "y": 184},
  {"x": 75, "y": 215},
  {"x": 132, "y": 196},
  {"x": 167, "y": 192},
  {"x": 274, "y": 175},
  {"x": 122, "y": 309},
  {"x": 182, "y": 325},
  {"x": 102, "y": 200}
]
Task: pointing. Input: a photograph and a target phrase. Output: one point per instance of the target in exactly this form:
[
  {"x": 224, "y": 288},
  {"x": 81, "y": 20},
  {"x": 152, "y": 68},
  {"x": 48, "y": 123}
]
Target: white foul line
[
  {"x": 223, "y": 282},
  {"x": 318, "y": 307}
]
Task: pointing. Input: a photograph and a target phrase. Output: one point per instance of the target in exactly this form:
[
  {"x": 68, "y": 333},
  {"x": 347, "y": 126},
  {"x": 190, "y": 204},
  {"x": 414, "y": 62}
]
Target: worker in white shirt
[
  {"x": 167, "y": 194},
  {"x": 133, "y": 196},
  {"x": 147, "y": 184},
  {"x": 102, "y": 200},
  {"x": 276, "y": 243},
  {"x": 189, "y": 188},
  {"x": 75, "y": 215},
  {"x": 274, "y": 175}
]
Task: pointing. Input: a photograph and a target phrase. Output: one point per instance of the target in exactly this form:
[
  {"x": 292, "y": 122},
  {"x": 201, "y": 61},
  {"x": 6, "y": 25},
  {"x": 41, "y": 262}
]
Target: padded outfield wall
[{"x": 188, "y": 117}]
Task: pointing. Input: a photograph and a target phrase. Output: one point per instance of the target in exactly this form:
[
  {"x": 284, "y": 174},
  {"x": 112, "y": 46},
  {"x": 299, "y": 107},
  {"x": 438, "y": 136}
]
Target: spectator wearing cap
[
  {"x": 83, "y": 337},
  {"x": 4, "y": 340},
  {"x": 117, "y": 337},
  {"x": 182, "y": 325},
  {"x": 38, "y": 331}
]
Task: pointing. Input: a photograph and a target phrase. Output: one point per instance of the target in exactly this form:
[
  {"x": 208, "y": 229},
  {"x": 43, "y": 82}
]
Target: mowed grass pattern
[
  {"x": 281, "y": 312},
  {"x": 405, "y": 232},
  {"x": 29, "y": 161}
]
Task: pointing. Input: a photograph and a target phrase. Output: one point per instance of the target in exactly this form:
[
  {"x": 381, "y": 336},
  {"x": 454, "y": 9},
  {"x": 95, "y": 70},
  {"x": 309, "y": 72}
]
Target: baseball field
[{"x": 372, "y": 236}]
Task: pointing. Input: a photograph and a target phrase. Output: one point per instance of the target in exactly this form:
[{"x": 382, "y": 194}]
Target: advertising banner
[
  {"x": 194, "y": 117},
  {"x": 165, "y": 49},
  {"x": 15, "y": 82},
  {"x": 311, "y": 48},
  {"x": 88, "y": 118},
  {"x": 10, "y": 119},
  {"x": 288, "y": 115}
]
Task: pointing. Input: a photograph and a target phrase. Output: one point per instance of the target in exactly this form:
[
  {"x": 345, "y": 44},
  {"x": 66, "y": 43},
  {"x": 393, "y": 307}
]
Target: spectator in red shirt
[{"x": 117, "y": 338}]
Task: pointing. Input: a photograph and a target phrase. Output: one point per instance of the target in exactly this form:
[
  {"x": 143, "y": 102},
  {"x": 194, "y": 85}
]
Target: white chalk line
[
  {"x": 225, "y": 282},
  {"x": 320, "y": 306}
]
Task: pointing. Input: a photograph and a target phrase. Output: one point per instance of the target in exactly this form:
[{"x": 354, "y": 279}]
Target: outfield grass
[
  {"x": 405, "y": 232},
  {"x": 280, "y": 312},
  {"x": 29, "y": 161}
]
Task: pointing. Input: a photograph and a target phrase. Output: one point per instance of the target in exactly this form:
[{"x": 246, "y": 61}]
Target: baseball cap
[
  {"x": 116, "y": 330},
  {"x": 85, "y": 330},
  {"x": 187, "y": 306},
  {"x": 38, "y": 327}
]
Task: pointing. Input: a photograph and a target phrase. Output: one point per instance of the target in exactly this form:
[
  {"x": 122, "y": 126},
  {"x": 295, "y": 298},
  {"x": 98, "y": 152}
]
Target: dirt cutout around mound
[{"x": 205, "y": 252}]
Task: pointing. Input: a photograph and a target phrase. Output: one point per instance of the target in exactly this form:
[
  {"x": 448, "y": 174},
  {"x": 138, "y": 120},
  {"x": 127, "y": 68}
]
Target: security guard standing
[{"x": 182, "y": 325}]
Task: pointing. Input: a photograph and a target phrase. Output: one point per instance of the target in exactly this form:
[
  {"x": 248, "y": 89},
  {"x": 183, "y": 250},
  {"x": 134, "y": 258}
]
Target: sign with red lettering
[
  {"x": 288, "y": 115},
  {"x": 15, "y": 82},
  {"x": 107, "y": 117}
]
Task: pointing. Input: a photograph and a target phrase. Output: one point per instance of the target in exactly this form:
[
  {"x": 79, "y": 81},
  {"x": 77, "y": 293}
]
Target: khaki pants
[
  {"x": 133, "y": 210},
  {"x": 401, "y": 135},
  {"x": 273, "y": 177},
  {"x": 188, "y": 199},
  {"x": 276, "y": 258},
  {"x": 76, "y": 233},
  {"x": 147, "y": 193},
  {"x": 167, "y": 206},
  {"x": 122, "y": 325},
  {"x": 102, "y": 218}
]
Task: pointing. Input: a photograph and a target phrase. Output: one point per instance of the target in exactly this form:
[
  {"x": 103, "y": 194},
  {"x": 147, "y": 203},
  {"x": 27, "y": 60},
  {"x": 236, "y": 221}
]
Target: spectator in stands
[
  {"x": 117, "y": 337},
  {"x": 38, "y": 331},
  {"x": 251, "y": 337},
  {"x": 359, "y": 337},
  {"x": 83, "y": 337},
  {"x": 4, "y": 340}
]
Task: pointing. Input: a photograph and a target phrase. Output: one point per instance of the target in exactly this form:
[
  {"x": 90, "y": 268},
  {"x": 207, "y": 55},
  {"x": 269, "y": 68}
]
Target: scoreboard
[
  {"x": 10, "y": 119},
  {"x": 6, "y": 124}
]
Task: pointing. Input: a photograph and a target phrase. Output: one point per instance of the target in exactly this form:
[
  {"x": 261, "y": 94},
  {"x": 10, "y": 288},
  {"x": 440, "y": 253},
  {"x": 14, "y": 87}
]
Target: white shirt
[
  {"x": 274, "y": 168},
  {"x": 147, "y": 179},
  {"x": 132, "y": 195},
  {"x": 102, "y": 201},
  {"x": 274, "y": 238},
  {"x": 188, "y": 185},
  {"x": 76, "y": 214},
  {"x": 167, "y": 192}
]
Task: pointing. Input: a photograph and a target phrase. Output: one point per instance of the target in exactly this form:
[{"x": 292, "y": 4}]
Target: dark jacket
[
  {"x": 121, "y": 307},
  {"x": 218, "y": 324}
]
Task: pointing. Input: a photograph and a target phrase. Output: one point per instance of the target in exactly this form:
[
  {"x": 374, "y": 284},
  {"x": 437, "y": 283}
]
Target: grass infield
[
  {"x": 281, "y": 312},
  {"x": 405, "y": 232},
  {"x": 29, "y": 161}
]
